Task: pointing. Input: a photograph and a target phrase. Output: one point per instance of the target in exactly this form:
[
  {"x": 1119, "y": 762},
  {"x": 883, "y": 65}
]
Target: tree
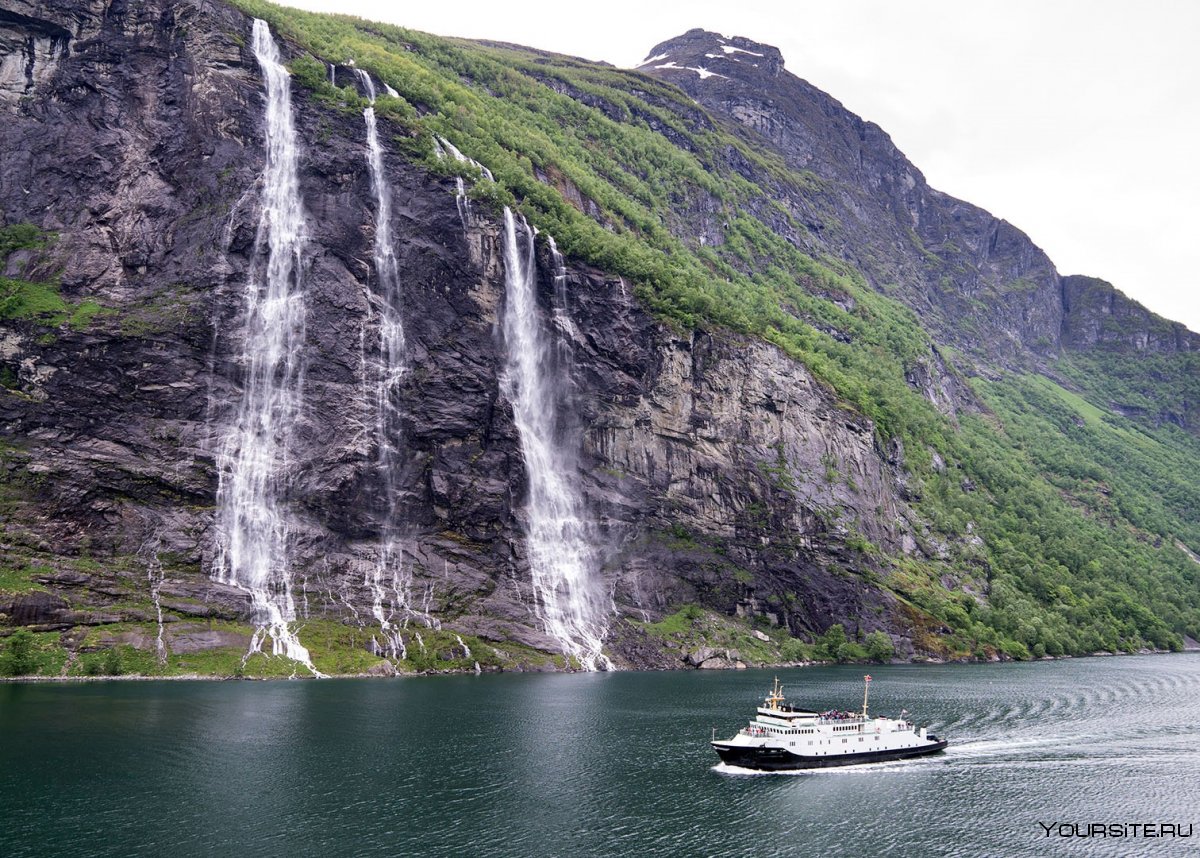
[
  {"x": 112, "y": 663},
  {"x": 833, "y": 640},
  {"x": 851, "y": 652},
  {"x": 879, "y": 646},
  {"x": 18, "y": 656}
]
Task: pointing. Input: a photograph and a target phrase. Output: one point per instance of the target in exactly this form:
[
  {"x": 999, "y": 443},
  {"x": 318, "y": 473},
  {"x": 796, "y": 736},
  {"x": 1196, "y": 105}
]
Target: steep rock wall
[
  {"x": 977, "y": 281},
  {"x": 717, "y": 469}
]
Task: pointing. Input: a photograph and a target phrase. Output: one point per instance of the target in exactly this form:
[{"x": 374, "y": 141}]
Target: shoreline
[{"x": 199, "y": 677}]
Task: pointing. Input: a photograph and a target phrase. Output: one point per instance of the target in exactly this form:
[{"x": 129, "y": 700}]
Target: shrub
[
  {"x": 851, "y": 652},
  {"x": 879, "y": 646},
  {"x": 18, "y": 657},
  {"x": 832, "y": 641},
  {"x": 795, "y": 650},
  {"x": 112, "y": 663}
]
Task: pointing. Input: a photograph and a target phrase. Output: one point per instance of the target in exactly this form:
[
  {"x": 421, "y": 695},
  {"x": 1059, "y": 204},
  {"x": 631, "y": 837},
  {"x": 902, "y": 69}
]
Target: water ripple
[{"x": 591, "y": 765}]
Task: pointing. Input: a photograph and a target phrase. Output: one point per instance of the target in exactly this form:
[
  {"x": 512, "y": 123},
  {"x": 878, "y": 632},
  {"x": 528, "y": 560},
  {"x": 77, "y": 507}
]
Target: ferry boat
[{"x": 782, "y": 737}]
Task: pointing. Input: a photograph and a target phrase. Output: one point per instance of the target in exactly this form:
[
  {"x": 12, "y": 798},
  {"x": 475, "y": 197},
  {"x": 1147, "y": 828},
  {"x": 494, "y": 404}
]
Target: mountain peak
[{"x": 710, "y": 54}]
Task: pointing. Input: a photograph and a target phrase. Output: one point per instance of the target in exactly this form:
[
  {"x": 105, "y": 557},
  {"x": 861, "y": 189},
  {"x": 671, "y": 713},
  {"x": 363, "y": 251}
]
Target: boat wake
[{"x": 885, "y": 767}]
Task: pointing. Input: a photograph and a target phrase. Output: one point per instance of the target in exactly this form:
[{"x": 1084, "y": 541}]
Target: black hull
[{"x": 779, "y": 760}]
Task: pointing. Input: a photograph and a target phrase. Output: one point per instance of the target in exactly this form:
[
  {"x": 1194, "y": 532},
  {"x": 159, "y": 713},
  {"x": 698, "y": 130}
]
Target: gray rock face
[
  {"x": 1099, "y": 316},
  {"x": 976, "y": 280}
]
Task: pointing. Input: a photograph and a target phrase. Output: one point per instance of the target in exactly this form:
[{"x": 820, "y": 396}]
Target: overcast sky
[{"x": 1076, "y": 120}]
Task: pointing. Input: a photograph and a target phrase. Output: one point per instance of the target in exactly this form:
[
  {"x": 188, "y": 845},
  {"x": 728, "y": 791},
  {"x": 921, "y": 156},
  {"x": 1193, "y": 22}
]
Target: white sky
[{"x": 1076, "y": 120}]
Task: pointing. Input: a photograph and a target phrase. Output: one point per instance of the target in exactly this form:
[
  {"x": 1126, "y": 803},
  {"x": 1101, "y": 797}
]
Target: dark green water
[{"x": 614, "y": 764}]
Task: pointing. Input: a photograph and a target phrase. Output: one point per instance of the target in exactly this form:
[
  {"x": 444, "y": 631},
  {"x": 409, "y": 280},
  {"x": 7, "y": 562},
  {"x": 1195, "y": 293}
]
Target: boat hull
[{"x": 769, "y": 759}]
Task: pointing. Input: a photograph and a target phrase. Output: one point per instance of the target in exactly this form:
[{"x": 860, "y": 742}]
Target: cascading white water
[
  {"x": 155, "y": 578},
  {"x": 388, "y": 570},
  {"x": 253, "y": 467},
  {"x": 562, "y": 558},
  {"x": 562, "y": 319},
  {"x": 441, "y": 146},
  {"x": 466, "y": 649}
]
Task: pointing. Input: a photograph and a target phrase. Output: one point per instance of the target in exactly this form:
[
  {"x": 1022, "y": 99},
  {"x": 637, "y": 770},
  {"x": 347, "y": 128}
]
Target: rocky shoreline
[{"x": 196, "y": 677}]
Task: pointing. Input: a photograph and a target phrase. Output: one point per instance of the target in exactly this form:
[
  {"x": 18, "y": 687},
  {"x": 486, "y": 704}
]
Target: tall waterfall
[
  {"x": 387, "y": 580},
  {"x": 562, "y": 559},
  {"x": 252, "y": 461}
]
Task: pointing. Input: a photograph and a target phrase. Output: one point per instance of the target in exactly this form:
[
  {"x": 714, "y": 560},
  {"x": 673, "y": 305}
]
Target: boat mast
[
  {"x": 866, "y": 691},
  {"x": 776, "y": 696}
]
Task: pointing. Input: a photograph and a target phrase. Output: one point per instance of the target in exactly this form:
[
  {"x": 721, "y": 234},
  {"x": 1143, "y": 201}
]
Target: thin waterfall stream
[
  {"x": 389, "y": 581},
  {"x": 442, "y": 146}
]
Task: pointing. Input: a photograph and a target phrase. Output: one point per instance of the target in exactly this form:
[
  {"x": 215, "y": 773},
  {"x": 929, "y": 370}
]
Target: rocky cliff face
[
  {"x": 1098, "y": 316},
  {"x": 979, "y": 282},
  {"x": 717, "y": 469}
]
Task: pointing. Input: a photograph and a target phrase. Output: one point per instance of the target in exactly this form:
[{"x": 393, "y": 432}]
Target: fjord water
[{"x": 594, "y": 764}]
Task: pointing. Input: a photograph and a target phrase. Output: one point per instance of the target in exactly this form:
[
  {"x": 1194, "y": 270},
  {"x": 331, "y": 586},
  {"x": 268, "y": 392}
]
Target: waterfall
[
  {"x": 441, "y": 147},
  {"x": 462, "y": 643},
  {"x": 150, "y": 552},
  {"x": 388, "y": 580},
  {"x": 562, "y": 560},
  {"x": 253, "y": 459},
  {"x": 562, "y": 319}
]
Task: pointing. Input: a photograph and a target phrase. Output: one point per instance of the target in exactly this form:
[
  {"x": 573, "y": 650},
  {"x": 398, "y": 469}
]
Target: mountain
[{"x": 332, "y": 347}]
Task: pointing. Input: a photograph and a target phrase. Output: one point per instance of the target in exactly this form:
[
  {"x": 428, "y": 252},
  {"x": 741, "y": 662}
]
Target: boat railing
[{"x": 896, "y": 726}]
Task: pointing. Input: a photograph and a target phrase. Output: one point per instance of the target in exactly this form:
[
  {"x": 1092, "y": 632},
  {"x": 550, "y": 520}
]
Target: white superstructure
[{"x": 784, "y": 737}]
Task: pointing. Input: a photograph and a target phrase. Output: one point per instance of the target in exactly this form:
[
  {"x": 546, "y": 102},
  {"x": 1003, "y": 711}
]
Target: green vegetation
[
  {"x": 37, "y": 301},
  {"x": 27, "y": 653},
  {"x": 113, "y": 664},
  {"x": 834, "y": 645},
  {"x": 20, "y": 299},
  {"x": 692, "y": 627},
  {"x": 1157, "y": 391},
  {"x": 18, "y": 658},
  {"x": 336, "y": 649},
  {"x": 18, "y": 578},
  {"x": 879, "y": 647},
  {"x": 168, "y": 310},
  {"x": 20, "y": 236}
]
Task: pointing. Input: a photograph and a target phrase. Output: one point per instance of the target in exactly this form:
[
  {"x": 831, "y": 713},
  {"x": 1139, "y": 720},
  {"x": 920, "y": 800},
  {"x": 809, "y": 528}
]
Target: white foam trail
[
  {"x": 253, "y": 468},
  {"x": 154, "y": 575},
  {"x": 442, "y": 146},
  {"x": 561, "y": 557},
  {"x": 562, "y": 319},
  {"x": 463, "y": 644}
]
